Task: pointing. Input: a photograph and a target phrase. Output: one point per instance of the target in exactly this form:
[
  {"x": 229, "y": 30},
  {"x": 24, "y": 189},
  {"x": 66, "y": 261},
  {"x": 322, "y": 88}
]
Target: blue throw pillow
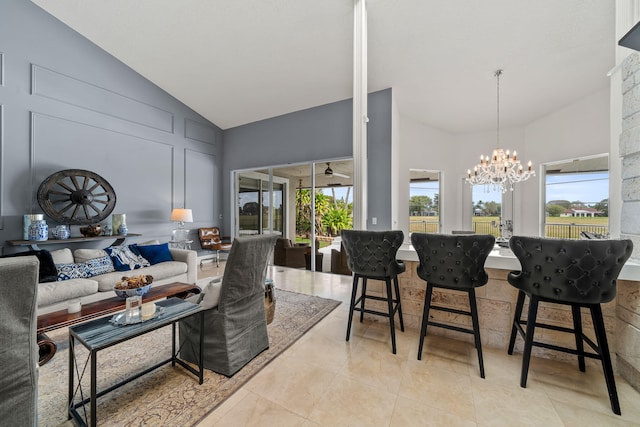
[
  {"x": 124, "y": 259},
  {"x": 73, "y": 271},
  {"x": 155, "y": 253}
]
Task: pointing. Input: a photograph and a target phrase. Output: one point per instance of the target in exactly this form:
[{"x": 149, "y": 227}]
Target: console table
[{"x": 33, "y": 244}]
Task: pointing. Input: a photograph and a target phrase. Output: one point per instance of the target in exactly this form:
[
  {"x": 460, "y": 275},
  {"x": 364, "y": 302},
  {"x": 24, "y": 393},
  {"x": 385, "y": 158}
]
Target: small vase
[
  {"x": 122, "y": 230},
  {"x": 61, "y": 232},
  {"x": 38, "y": 230}
]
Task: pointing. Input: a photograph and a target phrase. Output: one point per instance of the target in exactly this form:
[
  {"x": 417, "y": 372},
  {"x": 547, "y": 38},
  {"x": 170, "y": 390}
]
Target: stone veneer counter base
[{"x": 496, "y": 305}]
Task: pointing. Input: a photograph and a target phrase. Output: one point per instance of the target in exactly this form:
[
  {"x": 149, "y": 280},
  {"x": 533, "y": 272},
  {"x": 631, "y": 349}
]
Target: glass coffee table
[{"x": 100, "y": 334}]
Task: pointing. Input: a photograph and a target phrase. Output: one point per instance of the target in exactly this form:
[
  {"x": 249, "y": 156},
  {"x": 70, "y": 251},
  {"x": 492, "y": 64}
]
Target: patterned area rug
[{"x": 168, "y": 396}]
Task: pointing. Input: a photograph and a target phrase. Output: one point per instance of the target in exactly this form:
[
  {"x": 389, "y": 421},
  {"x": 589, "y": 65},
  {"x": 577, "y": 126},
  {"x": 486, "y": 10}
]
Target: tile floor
[{"x": 322, "y": 380}]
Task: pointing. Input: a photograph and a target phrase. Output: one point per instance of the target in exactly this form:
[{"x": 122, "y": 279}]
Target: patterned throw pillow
[
  {"x": 73, "y": 271},
  {"x": 100, "y": 265},
  {"x": 124, "y": 259}
]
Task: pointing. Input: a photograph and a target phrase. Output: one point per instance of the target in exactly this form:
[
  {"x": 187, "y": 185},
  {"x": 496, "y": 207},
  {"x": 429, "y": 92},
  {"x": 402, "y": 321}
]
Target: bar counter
[{"x": 496, "y": 305}]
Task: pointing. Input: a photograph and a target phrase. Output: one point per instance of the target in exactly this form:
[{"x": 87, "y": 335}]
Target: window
[
  {"x": 576, "y": 203},
  {"x": 486, "y": 215},
  {"x": 259, "y": 210},
  {"x": 424, "y": 201}
]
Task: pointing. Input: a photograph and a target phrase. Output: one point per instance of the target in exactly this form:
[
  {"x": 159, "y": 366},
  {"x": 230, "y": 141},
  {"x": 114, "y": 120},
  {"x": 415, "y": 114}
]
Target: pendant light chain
[{"x": 498, "y": 73}]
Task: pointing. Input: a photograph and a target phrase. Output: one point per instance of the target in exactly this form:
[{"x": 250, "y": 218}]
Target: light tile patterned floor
[{"x": 323, "y": 380}]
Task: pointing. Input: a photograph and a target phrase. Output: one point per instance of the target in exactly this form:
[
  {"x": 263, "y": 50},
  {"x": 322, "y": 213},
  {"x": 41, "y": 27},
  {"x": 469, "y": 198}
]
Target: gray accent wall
[
  {"x": 318, "y": 133},
  {"x": 67, "y": 104}
]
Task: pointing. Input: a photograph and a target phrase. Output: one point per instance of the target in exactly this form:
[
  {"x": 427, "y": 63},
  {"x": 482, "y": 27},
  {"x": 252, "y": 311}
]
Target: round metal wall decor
[{"x": 77, "y": 197}]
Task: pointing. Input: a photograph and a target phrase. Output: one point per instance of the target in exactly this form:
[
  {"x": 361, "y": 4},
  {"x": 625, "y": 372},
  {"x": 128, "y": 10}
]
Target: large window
[
  {"x": 424, "y": 201},
  {"x": 577, "y": 198},
  {"x": 260, "y": 209}
]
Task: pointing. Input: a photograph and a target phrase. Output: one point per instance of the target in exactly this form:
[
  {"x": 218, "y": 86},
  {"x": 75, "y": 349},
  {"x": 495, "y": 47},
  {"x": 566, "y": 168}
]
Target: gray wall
[
  {"x": 67, "y": 104},
  {"x": 323, "y": 132}
]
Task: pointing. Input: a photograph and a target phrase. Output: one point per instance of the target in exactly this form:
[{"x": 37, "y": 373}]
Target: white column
[{"x": 360, "y": 112}]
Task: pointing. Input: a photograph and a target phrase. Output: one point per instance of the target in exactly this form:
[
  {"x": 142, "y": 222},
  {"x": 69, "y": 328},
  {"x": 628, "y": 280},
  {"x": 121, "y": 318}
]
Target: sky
[
  {"x": 589, "y": 188},
  {"x": 427, "y": 188}
]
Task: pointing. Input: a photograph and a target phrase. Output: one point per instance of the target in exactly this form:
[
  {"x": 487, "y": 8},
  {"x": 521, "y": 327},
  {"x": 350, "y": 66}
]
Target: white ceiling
[{"x": 235, "y": 62}]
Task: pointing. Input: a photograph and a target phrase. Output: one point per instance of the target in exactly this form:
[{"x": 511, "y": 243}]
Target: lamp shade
[{"x": 184, "y": 215}]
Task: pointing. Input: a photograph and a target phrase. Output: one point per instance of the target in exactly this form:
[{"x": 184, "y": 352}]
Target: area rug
[{"x": 168, "y": 396}]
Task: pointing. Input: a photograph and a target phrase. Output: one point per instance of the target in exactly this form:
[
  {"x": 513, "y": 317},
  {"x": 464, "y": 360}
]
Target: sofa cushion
[
  {"x": 84, "y": 255},
  {"x": 54, "y": 292},
  {"x": 62, "y": 256},
  {"x": 149, "y": 242},
  {"x": 124, "y": 259},
  {"x": 73, "y": 271},
  {"x": 47, "y": 271},
  {"x": 155, "y": 253}
]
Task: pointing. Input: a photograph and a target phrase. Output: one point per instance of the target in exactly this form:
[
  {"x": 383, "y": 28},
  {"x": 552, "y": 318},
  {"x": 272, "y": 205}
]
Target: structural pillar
[{"x": 360, "y": 118}]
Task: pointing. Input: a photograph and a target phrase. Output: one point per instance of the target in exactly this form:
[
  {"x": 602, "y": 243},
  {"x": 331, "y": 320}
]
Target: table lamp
[{"x": 181, "y": 216}]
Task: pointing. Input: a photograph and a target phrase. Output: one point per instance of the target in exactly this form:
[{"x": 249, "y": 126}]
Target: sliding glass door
[{"x": 306, "y": 203}]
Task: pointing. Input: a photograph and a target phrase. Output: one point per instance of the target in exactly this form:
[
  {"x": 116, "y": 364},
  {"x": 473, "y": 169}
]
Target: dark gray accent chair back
[
  {"x": 236, "y": 329},
  {"x": 19, "y": 351},
  {"x": 577, "y": 273},
  {"x": 456, "y": 262},
  {"x": 372, "y": 255}
]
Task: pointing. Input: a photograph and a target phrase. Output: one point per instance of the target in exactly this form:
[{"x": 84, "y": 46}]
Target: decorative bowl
[
  {"x": 91, "y": 230},
  {"x": 126, "y": 293}
]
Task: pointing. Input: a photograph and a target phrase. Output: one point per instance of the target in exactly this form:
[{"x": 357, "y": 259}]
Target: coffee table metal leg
[
  {"x": 200, "y": 361},
  {"x": 94, "y": 387},
  {"x": 71, "y": 375},
  {"x": 173, "y": 344}
]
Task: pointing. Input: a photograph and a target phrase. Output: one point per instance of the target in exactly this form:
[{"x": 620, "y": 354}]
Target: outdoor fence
[
  {"x": 481, "y": 227},
  {"x": 423, "y": 227},
  {"x": 559, "y": 230},
  {"x": 572, "y": 231}
]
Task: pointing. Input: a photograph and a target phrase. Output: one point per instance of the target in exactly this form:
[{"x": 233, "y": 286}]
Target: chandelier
[{"x": 502, "y": 169}]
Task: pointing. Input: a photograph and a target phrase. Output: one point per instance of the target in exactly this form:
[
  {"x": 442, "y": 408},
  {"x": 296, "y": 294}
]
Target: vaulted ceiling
[{"x": 236, "y": 62}]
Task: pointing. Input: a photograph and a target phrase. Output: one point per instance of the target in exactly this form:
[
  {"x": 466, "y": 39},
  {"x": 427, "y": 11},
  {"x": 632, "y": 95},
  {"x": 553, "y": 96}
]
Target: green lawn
[{"x": 560, "y": 227}]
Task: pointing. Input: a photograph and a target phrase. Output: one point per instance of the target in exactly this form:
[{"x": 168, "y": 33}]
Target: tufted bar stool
[
  {"x": 577, "y": 273},
  {"x": 453, "y": 262},
  {"x": 372, "y": 255}
]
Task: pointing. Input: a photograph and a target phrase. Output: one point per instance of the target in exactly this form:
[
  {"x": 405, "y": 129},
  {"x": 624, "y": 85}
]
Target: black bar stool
[
  {"x": 453, "y": 262},
  {"x": 578, "y": 273},
  {"x": 372, "y": 255}
]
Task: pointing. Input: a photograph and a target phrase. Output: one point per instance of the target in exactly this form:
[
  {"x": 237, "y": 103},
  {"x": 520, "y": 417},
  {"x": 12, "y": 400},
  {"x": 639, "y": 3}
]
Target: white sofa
[{"x": 53, "y": 296}]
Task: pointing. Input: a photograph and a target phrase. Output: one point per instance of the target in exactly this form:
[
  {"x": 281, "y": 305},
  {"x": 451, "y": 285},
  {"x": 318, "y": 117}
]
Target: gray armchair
[
  {"x": 235, "y": 324},
  {"x": 19, "y": 352}
]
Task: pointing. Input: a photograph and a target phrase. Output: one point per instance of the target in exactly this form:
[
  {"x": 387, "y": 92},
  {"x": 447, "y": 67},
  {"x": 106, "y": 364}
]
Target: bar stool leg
[
  {"x": 364, "y": 296},
  {"x": 392, "y": 325},
  {"x": 476, "y": 328},
  {"x": 603, "y": 346},
  {"x": 528, "y": 340},
  {"x": 399, "y": 303},
  {"x": 577, "y": 327},
  {"x": 425, "y": 318},
  {"x": 352, "y": 305},
  {"x": 516, "y": 318}
]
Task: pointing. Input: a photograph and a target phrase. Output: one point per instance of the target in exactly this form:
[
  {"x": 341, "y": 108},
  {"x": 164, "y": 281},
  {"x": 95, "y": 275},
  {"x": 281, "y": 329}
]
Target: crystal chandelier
[{"x": 502, "y": 169}]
